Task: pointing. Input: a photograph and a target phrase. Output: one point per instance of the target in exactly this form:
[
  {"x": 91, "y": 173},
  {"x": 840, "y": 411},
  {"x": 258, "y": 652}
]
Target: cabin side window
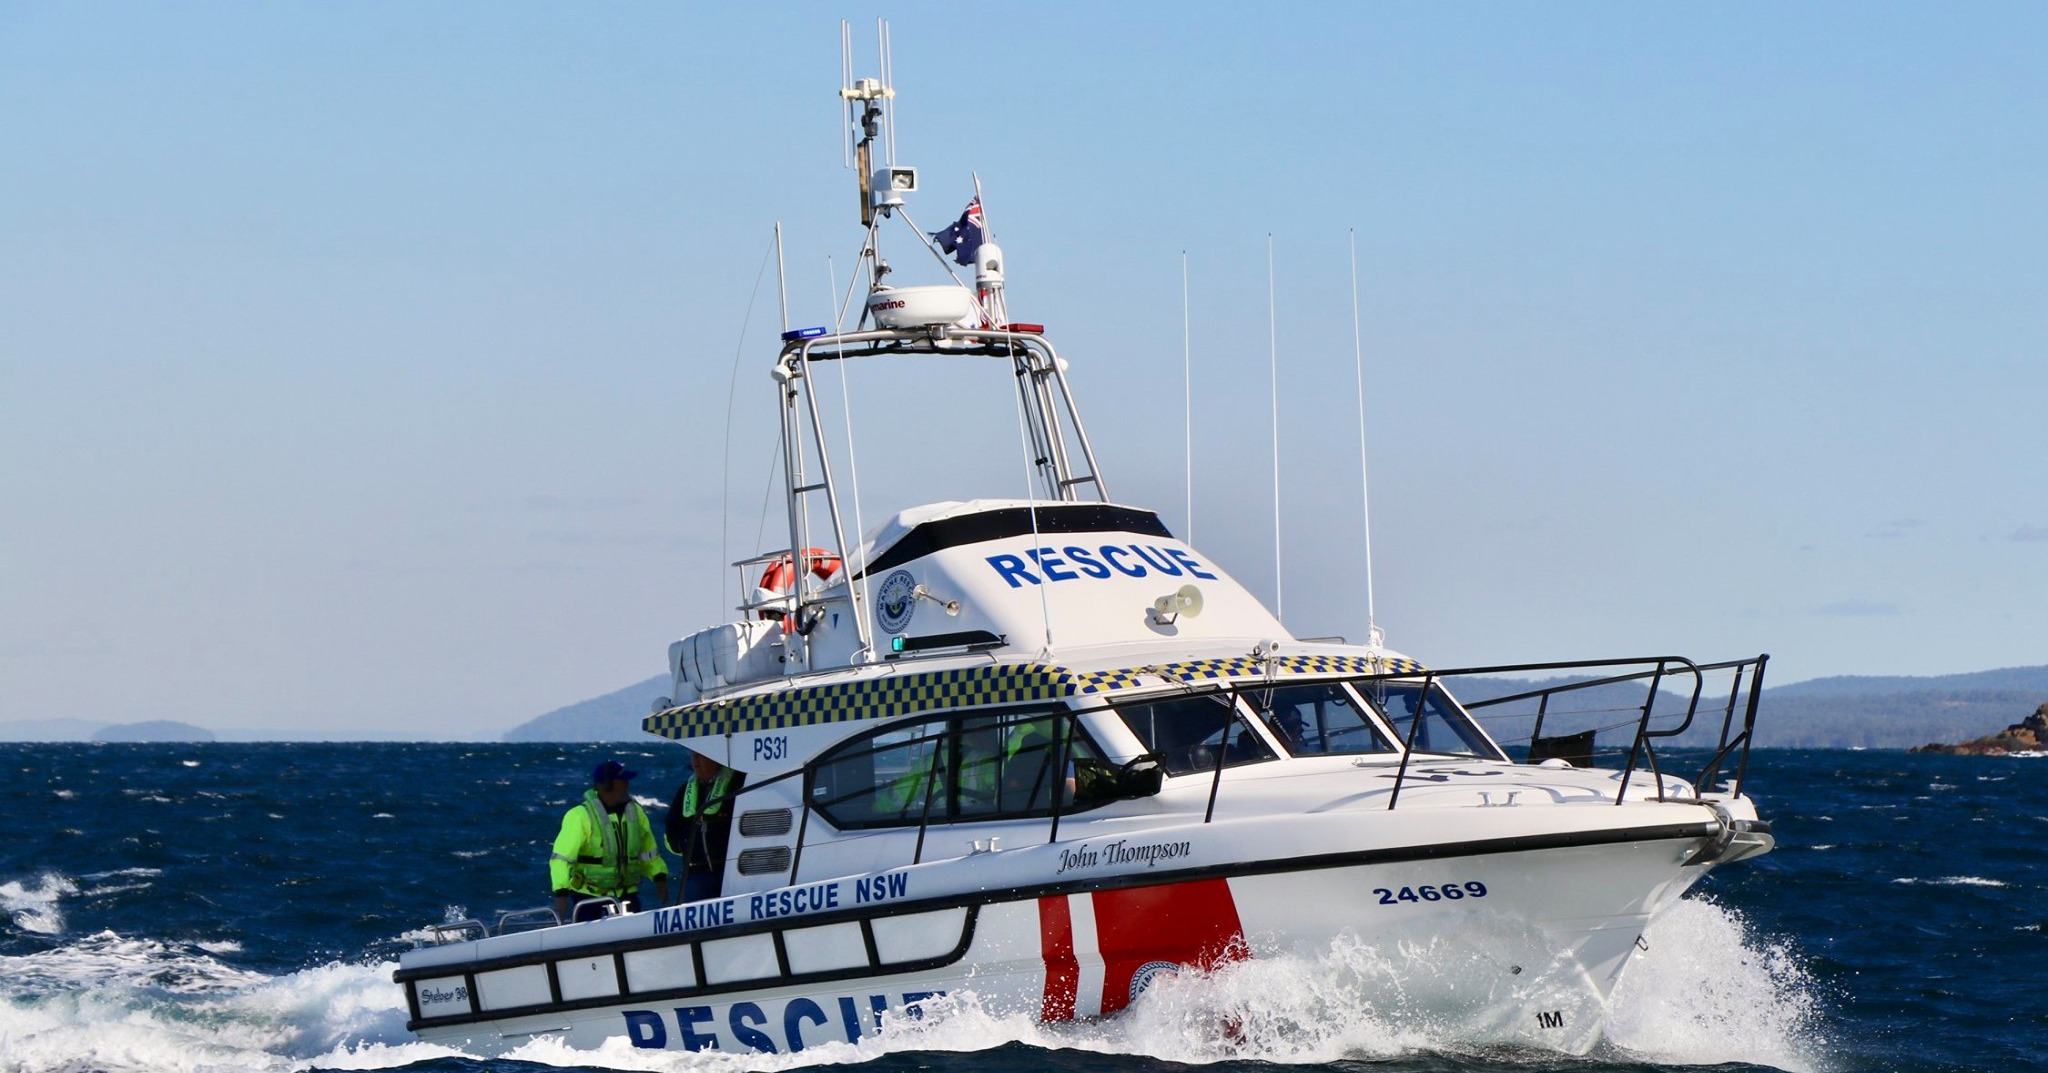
[
  {"x": 984, "y": 766},
  {"x": 1445, "y": 729},
  {"x": 1194, "y": 734},
  {"x": 1318, "y": 719}
]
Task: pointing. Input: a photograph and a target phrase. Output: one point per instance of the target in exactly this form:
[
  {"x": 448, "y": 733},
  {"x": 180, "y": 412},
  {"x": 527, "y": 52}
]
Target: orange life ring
[{"x": 780, "y": 577}]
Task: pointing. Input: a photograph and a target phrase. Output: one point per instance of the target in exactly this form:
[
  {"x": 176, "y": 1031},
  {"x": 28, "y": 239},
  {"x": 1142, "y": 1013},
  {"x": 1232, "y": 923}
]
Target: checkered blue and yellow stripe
[
  {"x": 972, "y": 687},
  {"x": 1242, "y": 667}
]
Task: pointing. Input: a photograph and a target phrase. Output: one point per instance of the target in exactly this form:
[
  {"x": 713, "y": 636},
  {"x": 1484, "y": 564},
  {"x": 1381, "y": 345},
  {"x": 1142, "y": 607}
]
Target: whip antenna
[
  {"x": 781, "y": 276},
  {"x": 1273, "y": 339},
  {"x": 1187, "y": 379},
  {"x": 845, "y": 87},
  {"x": 888, "y": 68},
  {"x": 868, "y": 112},
  {"x": 1373, "y": 635}
]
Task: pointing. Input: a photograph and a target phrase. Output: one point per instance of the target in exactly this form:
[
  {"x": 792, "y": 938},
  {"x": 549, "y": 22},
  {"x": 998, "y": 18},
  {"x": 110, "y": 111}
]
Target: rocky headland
[{"x": 2029, "y": 735}]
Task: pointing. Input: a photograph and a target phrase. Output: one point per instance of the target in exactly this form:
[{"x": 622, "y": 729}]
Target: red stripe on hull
[{"x": 1182, "y": 924}]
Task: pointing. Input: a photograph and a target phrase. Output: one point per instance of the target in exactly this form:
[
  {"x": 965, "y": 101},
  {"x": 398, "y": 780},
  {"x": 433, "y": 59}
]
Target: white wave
[
  {"x": 108, "y": 960},
  {"x": 1710, "y": 991},
  {"x": 425, "y": 936},
  {"x": 125, "y": 873},
  {"x": 620, "y": 1054},
  {"x": 33, "y": 903},
  {"x": 378, "y": 1056},
  {"x": 1288, "y": 1010},
  {"x": 1954, "y": 881},
  {"x": 133, "y": 1005},
  {"x": 118, "y": 888}
]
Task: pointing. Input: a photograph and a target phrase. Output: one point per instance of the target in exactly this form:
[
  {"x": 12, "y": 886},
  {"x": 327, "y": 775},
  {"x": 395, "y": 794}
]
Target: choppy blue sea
[{"x": 241, "y": 907}]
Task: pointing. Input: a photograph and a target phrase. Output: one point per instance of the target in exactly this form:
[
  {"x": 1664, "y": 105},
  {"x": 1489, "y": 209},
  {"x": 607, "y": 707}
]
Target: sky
[{"x": 402, "y": 369}]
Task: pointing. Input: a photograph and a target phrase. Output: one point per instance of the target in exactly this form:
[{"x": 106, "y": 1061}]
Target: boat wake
[
  {"x": 1710, "y": 990},
  {"x": 1707, "y": 991},
  {"x": 105, "y": 1002}
]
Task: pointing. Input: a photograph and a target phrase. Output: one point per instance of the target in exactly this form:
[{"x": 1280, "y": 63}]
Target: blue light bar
[{"x": 801, "y": 333}]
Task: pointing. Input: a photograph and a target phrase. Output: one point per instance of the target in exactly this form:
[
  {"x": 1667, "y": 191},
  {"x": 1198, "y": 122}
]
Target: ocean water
[{"x": 241, "y": 907}]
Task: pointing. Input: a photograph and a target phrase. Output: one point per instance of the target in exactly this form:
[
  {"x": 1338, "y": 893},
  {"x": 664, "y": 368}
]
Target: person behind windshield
[
  {"x": 980, "y": 756},
  {"x": 605, "y": 849}
]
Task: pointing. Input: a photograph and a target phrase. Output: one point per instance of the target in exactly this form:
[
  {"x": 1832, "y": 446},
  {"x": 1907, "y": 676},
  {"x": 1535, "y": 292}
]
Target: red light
[{"x": 1028, "y": 329}]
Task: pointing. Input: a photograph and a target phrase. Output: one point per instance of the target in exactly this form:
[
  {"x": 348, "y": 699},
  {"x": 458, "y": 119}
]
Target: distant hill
[
  {"x": 1891, "y": 720},
  {"x": 1873, "y": 712},
  {"x": 613, "y": 717},
  {"x": 153, "y": 730},
  {"x": 2005, "y": 679},
  {"x": 48, "y": 730}
]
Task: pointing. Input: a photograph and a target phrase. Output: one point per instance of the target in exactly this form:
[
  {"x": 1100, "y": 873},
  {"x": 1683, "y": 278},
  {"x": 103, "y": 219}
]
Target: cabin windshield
[
  {"x": 1445, "y": 729},
  {"x": 982, "y": 766},
  {"x": 1191, "y": 734},
  {"x": 1318, "y": 719}
]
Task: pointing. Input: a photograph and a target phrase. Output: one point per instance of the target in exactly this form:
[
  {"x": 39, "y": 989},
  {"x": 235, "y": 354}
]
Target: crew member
[
  {"x": 926, "y": 777},
  {"x": 700, "y": 825},
  {"x": 1028, "y": 763},
  {"x": 1029, "y": 751},
  {"x": 605, "y": 849}
]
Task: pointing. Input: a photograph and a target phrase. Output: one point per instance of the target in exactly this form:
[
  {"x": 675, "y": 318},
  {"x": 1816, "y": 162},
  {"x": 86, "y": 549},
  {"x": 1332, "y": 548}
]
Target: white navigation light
[
  {"x": 988, "y": 263},
  {"x": 890, "y": 184}
]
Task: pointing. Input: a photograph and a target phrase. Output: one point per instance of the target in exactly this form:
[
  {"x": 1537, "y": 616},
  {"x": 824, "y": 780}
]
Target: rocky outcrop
[{"x": 2029, "y": 735}]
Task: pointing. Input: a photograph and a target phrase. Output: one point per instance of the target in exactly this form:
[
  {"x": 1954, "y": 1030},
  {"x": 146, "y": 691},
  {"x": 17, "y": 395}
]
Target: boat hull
[{"x": 1491, "y": 944}]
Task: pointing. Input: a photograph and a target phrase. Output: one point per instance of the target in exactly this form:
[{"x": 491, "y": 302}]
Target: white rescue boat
[{"x": 1042, "y": 752}]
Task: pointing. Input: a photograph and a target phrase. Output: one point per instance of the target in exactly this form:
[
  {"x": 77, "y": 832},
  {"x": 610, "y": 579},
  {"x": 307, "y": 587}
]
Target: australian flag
[{"x": 965, "y": 236}]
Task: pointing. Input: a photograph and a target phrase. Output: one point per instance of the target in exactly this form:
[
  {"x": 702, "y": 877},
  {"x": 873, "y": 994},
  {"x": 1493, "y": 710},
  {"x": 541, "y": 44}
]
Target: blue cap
[{"x": 610, "y": 771}]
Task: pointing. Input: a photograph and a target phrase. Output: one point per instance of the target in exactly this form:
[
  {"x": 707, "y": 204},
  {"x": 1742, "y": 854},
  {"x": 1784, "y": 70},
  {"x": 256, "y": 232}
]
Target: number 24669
[{"x": 1445, "y": 892}]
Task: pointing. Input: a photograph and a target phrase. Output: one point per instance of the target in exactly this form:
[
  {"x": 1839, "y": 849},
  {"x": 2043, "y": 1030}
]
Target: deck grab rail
[
  {"x": 1651, "y": 719},
  {"x": 1732, "y": 742}
]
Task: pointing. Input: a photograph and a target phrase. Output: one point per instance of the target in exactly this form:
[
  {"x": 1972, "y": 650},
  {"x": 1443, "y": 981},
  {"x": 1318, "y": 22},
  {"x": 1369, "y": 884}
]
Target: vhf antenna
[
  {"x": 870, "y": 116},
  {"x": 867, "y": 110}
]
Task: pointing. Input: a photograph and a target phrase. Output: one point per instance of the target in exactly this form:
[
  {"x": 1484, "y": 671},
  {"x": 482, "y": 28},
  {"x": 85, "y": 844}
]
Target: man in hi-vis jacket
[{"x": 605, "y": 849}]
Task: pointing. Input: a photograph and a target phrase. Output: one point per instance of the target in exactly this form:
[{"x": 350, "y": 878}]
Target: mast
[{"x": 902, "y": 320}]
